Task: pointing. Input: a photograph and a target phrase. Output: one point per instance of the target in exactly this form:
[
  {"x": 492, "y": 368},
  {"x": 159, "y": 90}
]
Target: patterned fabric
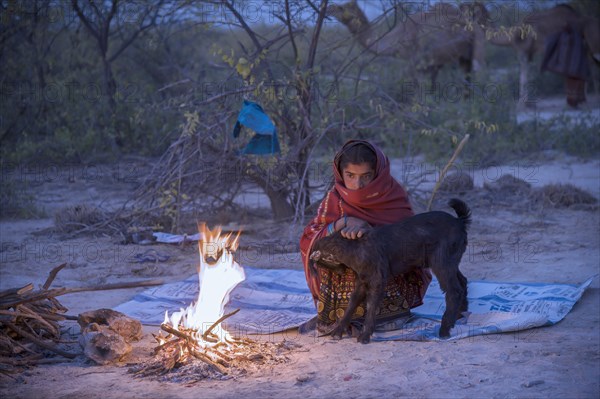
[
  {"x": 382, "y": 201},
  {"x": 401, "y": 294}
]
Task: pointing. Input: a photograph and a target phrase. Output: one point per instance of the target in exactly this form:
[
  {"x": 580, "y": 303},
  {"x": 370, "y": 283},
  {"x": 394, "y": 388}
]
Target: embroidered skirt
[{"x": 402, "y": 293}]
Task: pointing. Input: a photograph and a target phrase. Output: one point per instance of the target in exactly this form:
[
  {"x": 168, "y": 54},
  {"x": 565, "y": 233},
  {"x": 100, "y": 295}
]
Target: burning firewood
[
  {"x": 180, "y": 357},
  {"x": 195, "y": 347}
]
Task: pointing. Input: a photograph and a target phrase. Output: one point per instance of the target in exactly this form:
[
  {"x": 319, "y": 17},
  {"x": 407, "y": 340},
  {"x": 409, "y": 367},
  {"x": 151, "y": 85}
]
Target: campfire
[
  {"x": 218, "y": 274},
  {"x": 196, "y": 334}
]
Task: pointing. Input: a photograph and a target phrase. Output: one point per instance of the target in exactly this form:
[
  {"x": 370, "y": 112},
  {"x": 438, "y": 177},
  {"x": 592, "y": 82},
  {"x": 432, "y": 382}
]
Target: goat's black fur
[{"x": 433, "y": 239}]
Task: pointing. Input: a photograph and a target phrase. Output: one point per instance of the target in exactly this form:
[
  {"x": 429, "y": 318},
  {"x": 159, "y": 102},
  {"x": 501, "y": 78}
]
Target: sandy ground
[{"x": 518, "y": 243}]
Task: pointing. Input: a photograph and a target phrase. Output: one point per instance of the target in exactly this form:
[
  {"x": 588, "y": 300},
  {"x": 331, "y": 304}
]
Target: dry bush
[
  {"x": 508, "y": 185},
  {"x": 562, "y": 196},
  {"x": 457, "y": 182},
  {"x": 77, "y": 217}
]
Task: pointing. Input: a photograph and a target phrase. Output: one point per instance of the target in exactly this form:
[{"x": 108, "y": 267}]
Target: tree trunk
[
  {"x": 280, "y": 206},
  {"x": 110, "y": 85}
]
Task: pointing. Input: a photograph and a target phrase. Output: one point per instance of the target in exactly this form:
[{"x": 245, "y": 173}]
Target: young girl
[{"x": 364, "y": 195}]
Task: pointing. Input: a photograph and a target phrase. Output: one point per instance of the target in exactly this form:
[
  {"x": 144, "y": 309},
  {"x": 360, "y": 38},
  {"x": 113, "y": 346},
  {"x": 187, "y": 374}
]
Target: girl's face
[{"x": 357, "y": 175}]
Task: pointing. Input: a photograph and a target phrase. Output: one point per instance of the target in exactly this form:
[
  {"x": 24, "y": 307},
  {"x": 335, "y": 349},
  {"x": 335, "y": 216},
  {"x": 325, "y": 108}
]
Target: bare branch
[
  {"x": 243, "y": 23},
  {"x": 288, "y": 23},
  {"x": 315, "y": 38}
]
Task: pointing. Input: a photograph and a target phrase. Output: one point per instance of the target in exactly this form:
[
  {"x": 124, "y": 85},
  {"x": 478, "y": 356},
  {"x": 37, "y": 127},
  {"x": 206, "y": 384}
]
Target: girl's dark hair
[{"x": 359, "y": 153}]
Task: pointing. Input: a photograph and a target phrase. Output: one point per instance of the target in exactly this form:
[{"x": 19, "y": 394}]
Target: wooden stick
[
  {"x": 216, "y": 323},
  {"x": 52, "y": 275},
  {"x": 39, "y": 342},
  {"x": 188, "y": 341},
  {"x": 42, "y": 322},
  {"x": 207, "y": 360},
  {"x": 46, "y": 294},
  {"x": 49, "y": 360},
  {"x": 10, "y": 313},
  {"x": 223, "y": 358},
  {"x": 445, "y": 170},
  {"x": 51, "y": 328},
  {"x": 115, "y": 286},
  {"x": 12, "y": 343},
  {"x": 173, "y": 331},
  {"x": 16, "y": 291},
  {"x": 20, "y": 362},
  {"x": 59, "y": 307}
]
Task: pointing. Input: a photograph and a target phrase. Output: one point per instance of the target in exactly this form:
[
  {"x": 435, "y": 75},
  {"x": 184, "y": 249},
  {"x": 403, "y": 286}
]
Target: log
[
  {"x": 106, "y": 334},
  {"x": 26, "y": 318},
  {"x": 103, "y": 345},
  {"x": 20, "y": 362},
  {"x": 130, "y": 329},
  {"x": 57, "y": 305}
]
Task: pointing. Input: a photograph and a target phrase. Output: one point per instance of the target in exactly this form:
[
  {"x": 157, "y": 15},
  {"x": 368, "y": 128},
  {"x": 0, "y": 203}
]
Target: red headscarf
[{"x": 382, "y": 201}]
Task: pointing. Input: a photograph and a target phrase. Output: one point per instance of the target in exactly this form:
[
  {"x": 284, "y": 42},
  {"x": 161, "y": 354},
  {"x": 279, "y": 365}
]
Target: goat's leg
[
  {"x": 446, "y": 270},
  {"x": 374, "y": 297},
  {"x": 358, "y": 295},
  {"x": 464, "y": 284},
  {"x": 454, "y": 294}
]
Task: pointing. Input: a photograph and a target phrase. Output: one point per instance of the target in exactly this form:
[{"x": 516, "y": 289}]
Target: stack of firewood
[
  {"x": 29, "y": 325},
  {"x": 29, "y": 322}
]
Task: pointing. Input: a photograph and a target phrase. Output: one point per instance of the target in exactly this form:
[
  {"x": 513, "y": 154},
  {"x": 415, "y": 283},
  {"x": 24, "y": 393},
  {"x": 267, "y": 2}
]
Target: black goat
[{"x": 433, "y": 239}]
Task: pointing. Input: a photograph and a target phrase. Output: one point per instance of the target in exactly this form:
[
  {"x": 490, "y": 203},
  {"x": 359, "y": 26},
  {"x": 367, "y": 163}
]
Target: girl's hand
[{"x": 355, "y": 228}]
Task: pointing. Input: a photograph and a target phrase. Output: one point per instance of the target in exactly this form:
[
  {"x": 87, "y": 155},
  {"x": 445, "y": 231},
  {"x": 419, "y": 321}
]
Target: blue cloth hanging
[{"x": 253, "y": 117}]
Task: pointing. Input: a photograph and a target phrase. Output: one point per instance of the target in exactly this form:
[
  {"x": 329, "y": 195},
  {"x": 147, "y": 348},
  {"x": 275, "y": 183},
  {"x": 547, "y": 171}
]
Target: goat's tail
[{"x": 462, "y": 210}]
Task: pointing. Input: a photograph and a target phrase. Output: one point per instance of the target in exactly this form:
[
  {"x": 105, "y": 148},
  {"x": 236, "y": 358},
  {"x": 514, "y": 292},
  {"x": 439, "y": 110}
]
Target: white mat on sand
[{"x": 274, "y": 300}]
